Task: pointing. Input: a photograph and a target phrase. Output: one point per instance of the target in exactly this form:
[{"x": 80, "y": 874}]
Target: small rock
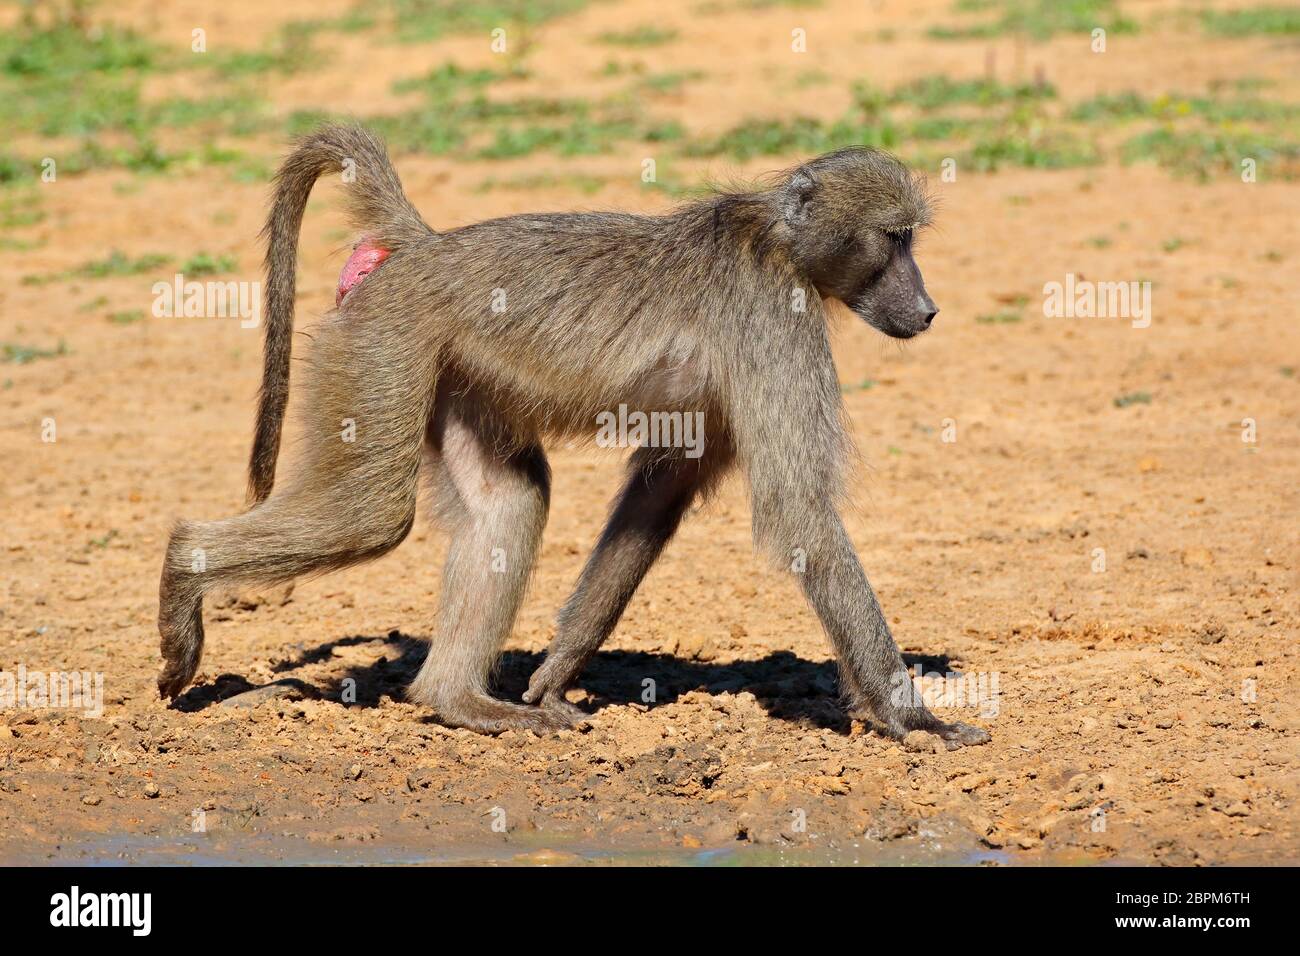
[
  {"x": 1212, "y": 632},
  {"x": 696, "y": 647},
  {"x": 259, "y": 695},
  {"x": 920, "y": 742},
  {"x": 421, "y": 778},
  {"x": 151, "y": 790},
  {"x": 1079, "y": 801},
  {"x": 92, "y": 799},
  {"x": 1238, "y": 809},
  {"x": 831, "y": 785},
  {"x": 353, "y": 772}
]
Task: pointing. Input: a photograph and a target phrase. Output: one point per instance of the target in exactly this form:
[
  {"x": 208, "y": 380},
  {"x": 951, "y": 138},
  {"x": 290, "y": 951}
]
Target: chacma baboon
[{"x": 461, "y": 350}]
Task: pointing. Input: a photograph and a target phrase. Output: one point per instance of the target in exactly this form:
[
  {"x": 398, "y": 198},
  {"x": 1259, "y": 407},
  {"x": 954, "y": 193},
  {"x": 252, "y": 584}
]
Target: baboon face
[{"x": 852, "y": 215}]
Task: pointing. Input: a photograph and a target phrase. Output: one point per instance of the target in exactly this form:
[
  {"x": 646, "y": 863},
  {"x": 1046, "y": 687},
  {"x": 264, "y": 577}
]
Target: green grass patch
[
  {"x": 1032, "y": 148},
  {"x": 290, "y": 50},
  {"x": 1201, "y": 153},
  {"x": 64, "y": 49},
  {"x": 19, "y": 208},
  {"x": 1131, "y": 398},
  {"x": 115, "y": 264},
  {"x": 421, "y": 20},
  {"x": 1003, "y": 317},
  {"x": 1038, "y": 19},
  {"x": 641, "y": 36},
  {"x": 206, "y": 264},
  {"x": 934, "y": 92},
  {"x": 26, "y": 354},
  {"x": 1131, "y": 105},
  {"x": 669, "y": 82},
  {"x": 1254, "y": 21}
]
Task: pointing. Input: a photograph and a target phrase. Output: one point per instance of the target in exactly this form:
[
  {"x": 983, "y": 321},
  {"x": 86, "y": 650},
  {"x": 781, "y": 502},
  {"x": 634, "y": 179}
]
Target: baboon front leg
[
  {"x": 494, "y": 503},
  {"x": 645, "y": 516},
  {"x": 872, "y": 674}
]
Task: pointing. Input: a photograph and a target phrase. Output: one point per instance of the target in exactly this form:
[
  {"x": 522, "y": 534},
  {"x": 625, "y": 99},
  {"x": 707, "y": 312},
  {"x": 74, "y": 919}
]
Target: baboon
[{"x": 463, "y": 349}]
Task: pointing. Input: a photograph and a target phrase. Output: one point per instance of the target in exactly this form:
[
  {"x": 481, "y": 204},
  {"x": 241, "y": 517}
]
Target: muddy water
[{"x": 945, "y": 845}]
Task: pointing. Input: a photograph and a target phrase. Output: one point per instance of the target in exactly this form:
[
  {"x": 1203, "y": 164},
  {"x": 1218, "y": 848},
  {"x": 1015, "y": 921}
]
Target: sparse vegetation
[
  {"x": 25, "y": 354},
  {"x": 1253, "y": 21},
  {"x": 1132, "y": 398},
  {"x": 116, "y": 263},
  {"x": 422, "y": 20},
  {"x": 1037, "y": 19},
  {"x": 1003, "y": 317},
  {"x": 639, "y": 37},
  {"x": 205, "y": 264}
]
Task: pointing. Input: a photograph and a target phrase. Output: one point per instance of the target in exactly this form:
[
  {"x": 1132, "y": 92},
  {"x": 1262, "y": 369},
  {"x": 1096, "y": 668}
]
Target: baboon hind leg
[
  {"x": 352, "y": 497},
  {"x": 493, "y": 496},
  {"x": 644, "y": 517}
]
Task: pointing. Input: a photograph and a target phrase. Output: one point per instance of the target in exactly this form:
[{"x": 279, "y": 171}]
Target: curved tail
[{"x": 376, "y": 204}]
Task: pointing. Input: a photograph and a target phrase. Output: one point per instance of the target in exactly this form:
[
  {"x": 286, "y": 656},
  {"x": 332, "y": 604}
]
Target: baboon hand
[
  {"x": 898, "y": 721},
  {"x": 549, "y": 682},
  {"x": 174, "y": 677}
]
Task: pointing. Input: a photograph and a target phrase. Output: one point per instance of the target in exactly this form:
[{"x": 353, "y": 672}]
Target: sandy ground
[{"x": 1123, "y": 576}]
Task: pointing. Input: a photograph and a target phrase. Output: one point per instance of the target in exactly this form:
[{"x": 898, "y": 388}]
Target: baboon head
[{"x": 851, "y": 215}]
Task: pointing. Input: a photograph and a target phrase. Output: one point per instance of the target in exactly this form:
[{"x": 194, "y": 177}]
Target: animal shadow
[{"x": 787, "y": 686}]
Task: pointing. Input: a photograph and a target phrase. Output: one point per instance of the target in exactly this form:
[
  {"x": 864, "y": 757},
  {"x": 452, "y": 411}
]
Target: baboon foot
[
  {"x": 908, "y": 720},
  {"x": 488, "y": 715},
  {"x": 957, "y": 735}
]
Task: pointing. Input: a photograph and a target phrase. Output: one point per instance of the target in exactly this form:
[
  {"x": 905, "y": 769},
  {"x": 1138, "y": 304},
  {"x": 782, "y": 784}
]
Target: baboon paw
[
  {"x": 545, "y": 686},
  {"x": 574, "y": 714},
  {"x": 487, "y": 715},
  {"x": 174, "y": 678},
  {"x": 956, "y": 735}
]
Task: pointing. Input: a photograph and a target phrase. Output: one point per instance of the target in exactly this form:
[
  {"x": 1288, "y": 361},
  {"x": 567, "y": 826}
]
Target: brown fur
[{"x": 693, "y": 311}]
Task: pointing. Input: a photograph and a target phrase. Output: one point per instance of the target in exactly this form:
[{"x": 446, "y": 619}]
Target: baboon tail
[{"x": 376, "y": 205}]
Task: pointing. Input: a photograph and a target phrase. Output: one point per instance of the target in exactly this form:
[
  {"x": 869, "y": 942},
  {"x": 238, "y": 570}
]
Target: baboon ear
[{"x": 798, "y": 192}]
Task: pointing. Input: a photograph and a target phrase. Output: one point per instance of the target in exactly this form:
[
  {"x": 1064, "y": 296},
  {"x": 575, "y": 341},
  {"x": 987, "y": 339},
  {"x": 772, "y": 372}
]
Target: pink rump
[{"x": 364, "y": 260}]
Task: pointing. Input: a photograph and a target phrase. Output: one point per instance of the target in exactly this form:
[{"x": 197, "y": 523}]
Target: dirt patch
[{"x": 1062, "y": 509}]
